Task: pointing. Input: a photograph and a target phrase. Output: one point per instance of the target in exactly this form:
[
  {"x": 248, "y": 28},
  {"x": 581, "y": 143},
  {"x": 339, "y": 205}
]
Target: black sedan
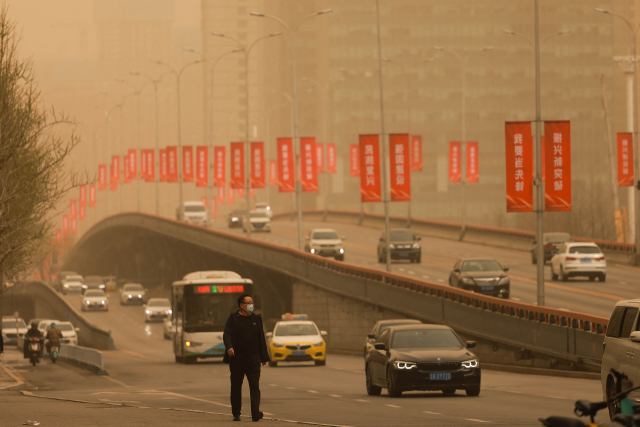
[
  {"x": 422, "y": 357},
  {"x": 403, "y": 244},
  {"x": 236, "y": 217},
  {"x": 483, "y": 276}
]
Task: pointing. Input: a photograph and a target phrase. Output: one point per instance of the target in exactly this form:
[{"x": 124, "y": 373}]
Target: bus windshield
[{"x": 208, "y": 312}]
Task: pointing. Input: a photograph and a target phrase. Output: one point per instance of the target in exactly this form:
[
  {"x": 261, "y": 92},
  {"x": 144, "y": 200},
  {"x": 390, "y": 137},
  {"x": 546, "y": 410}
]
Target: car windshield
[
  {"x": 73, "y": 279},
  {"x": 94, "y": 293},
  {"x": 11, "y": 324},
  {"x": 482, "y": 265},
  {"x": 262, "y": 206},
  {"x": 584, "y": 250},
  {"x": 388, "y": 325},
  {"x": 400, "y": 235},
  {"x": 325, "y": 235},
  {"x": 93, "y": 279},
  {"x": 425, "y": 338},
  {"x": 133, "y": 288},
  {"x": 259, "y": 214},
  {"x": 63, "y": 327},
  {"x": 557, "y": 237},
  {"x": 194, "y": 208},
  {"x": 296, "y": 330},
  {"x": 159, "y": 303}
]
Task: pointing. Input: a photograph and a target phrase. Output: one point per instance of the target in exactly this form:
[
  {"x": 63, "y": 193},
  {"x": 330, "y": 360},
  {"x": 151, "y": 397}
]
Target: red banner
[
  {"x": 72, "y": 208},
  {"x": 172, "y": 164},
  {"x": 473, "y": 163},
  {"x": 82, "y": 197},
  {"x": 150, "y": 162},
  {"x": 240, "y": 192},
  {"x": 320, "y": 157},
  {"x": 74, "y": 225},
  {"x": 58, "y": 237},
  {"x": 557, "y": 191},
  {"x": 231, "y": 195},
  {"x": 133, "y": 164},
  {"x": 102, "y": 177},
  {"x": 237, "y": 165},
  {"x": 331, "y": 158},
  {"x": 214, "y": 208},
  {"x": 369, "y": 155},
  {"x": 625, "y": 159},
  {"x": 65, "y": 224},
  {"x": 202, "y": 166},
  {"x": 416, "y": 153},
  {"x": 399, "y": 165},
  {"x": 187, "y": 164},
  {"x": 164, "y": 165},
  {"x": 143, "y": 165},
  {"x": 519, "y": 166},
  {"x": 115, "y": 172},
  {"x": 82, "y": 211},
  {"x": 221, "y": 195},
  {"x": 219, "y": 166},
  {"x": 92, "y": 195},
  {"x": 286, "y": 180},
  {"x": 127, "y": 178},
  {"x": 273, "y": 172},
  {"x": 308, "y": 160},
  {"x": 203, "y": 199},
  {"x": 455, "y": 162},
  {"x": 354, "y": 160},
  {"x": 258, "y": 173}
]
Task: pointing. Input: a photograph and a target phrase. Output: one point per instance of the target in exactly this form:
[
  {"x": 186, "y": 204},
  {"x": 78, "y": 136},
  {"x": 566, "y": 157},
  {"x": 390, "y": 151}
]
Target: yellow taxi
[{"x": 296, "y": 339}]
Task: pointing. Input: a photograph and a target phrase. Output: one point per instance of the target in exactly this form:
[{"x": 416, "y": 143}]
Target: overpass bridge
[{"x": 343, "y": 299}]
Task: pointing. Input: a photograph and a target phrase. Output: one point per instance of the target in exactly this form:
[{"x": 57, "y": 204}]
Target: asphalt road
[
  {"x": 439, "y": 255},
  {"x": 143, "y": 373}
]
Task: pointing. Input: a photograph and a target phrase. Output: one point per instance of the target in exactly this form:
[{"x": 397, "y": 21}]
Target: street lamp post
[
  {"x": 178, "y": 73},
  {"x": 463, "y": 71},
  {"x": 634, "y": 199},
  {"x": 296, "y": 136},
  {"x": 108, "y": 115},
  {"x": 247, "y": 148}
]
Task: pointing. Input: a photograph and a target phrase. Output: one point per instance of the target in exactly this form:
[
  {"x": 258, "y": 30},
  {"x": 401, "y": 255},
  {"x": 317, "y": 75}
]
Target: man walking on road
[{"x": 246, "y": 349}]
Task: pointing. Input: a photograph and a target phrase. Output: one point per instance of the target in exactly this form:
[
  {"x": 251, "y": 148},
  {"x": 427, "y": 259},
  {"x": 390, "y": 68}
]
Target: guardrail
[
  {"x": 560, "y": 334},
  {"x": 84, "y": 357}
]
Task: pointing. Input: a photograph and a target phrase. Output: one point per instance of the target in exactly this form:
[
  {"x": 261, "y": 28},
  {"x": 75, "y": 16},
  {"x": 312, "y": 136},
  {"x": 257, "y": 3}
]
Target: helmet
[{"x": 53, "y": 324}]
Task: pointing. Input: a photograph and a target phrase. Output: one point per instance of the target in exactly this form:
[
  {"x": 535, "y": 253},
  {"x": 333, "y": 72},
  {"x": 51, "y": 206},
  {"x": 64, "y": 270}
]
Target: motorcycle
[
  {"x": 35, "y": 347},
  {"x": 53, "y": 354},
  {"x": 584, "y": 408}
]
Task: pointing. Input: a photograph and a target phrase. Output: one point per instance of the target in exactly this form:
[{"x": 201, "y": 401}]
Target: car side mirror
[
  {"x": 324, "y": 333},
  {"x": 379, "y": 346},
  {"x": 505, "y": 269},
  {"x": 635, "y": 336},
  {"x": 457, "y": 270},
  {"x": 269, "y": 334},
  {"x": 471, "y": 344},
  {"x": 418, "y": 238},
  {"x": 77, "y": 329},
  {"x": 372, "y": 336}
]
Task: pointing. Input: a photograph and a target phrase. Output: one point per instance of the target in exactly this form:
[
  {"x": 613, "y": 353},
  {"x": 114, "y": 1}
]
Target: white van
[{"x": 193, "y": 213}]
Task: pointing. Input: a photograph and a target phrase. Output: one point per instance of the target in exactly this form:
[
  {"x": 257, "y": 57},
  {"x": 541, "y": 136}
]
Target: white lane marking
[
  {"x": 411, "y": 272},
  {"x": 362, "y": 400},
  {"x": 432, "y": 413},
  {"x": 478, "y": 421},
  {"x": 556, "y": 397},
  {"x": 515, "y": 299},
  {"x": 107, "y": 377},
  {"x": 623, "y": 283},
  {"x": 335, "y": 395},
  {"x": 197, "y": 399},
  {"x": 273, "y": 385},
  {"x": 440, "y": 280},
  {"x": 312, "y": 391},
  {"x": 393, "y": 406},
  {"x": 290, "y": 388},
  {"x": 425, "y": 277},
  {"x": 119, "y": 401},
  {"x": 401, "y": 269}
]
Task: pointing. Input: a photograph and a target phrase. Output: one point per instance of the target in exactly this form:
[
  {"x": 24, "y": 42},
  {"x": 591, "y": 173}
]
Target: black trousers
[{"x": 239, "y": 369}]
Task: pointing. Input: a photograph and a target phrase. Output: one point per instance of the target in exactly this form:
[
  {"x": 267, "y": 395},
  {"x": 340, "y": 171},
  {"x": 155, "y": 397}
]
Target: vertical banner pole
[{"x": 538, "y": 179}]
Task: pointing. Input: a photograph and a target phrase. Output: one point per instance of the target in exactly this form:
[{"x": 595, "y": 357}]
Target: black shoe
[
  {"x": 236, "y": 418},
  {"x": 257, "y": 417}
]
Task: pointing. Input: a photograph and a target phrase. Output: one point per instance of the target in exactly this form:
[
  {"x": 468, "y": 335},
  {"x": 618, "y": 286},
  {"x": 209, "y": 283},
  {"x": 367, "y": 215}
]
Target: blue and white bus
[{"x": 201, "y": 303}]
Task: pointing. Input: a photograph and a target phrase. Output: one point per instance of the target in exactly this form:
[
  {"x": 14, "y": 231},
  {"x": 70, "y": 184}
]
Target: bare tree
[{"x": 33, "y": 149}]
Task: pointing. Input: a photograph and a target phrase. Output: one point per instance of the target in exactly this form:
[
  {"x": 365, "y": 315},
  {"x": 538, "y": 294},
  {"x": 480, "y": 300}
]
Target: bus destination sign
[{"x": 220, "y": 289}]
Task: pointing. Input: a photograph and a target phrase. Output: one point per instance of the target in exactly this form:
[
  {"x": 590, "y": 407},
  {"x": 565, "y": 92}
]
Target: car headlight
[
  {"x": 129, "y": 296},
  {"x": 313, "y": 251},
  {"x": 415, "y": 246},
  {"x": 392, "y": 246},
  {"x": 88, "y": 302},
  {"x": 468, "y": 280},
  {"x": 148, "y": 311},
  {"x": 470, "y": 364},
  {"x": 504, "y": 281},
  {"x": 84, "y": 287},
  {"x": 318, "y": 344},
  {"x": 276, "y": 345},
  {"x": 103, "y": 302},
  {"x": 139, "y": 296},
  {"x": 404, "y": 365},
  {"x": 102, "y": 286},
  {"x": 341, "y": 250},
  {"x": 169, "y": 311},
  {"x": 66, "y": 285}
]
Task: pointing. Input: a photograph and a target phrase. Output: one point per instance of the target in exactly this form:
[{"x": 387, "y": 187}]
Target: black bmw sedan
[
  {"x": 422, "y": 357},
  {"x": 485, "y": 276}
]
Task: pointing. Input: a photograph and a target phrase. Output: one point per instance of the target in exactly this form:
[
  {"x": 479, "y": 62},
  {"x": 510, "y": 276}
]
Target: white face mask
[{"x": 250, "y": 308}]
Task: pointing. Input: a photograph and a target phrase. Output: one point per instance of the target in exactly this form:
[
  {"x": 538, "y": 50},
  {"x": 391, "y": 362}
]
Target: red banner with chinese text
[
  {"x": 455, "y": 162},
  {"x": 102, "y": 177},
  {"x": 416, "y": 153},
  {"x": 187, "y": 163},
  {"x": 125, "y": 170},
  {"x": 220, "y": 166},
  {"x": 164, "y": 165},
  {"x": 331, "y": 158},
  {"x": 258, "y": 173},
  {"x": 286, "y": 180},
  {"x": 308, "y": 160},
  {"x": 240, "y": 192},
  {"x": 82, "y": 211},
  {"x": 519, "y": 166},
  {"x": 625, "y": 159},
  {"x": 82, "y": 196},
  {"x": 143, "y": 165},
  {"x": 221, "y": 195},
  {"x": 400, "y": 167},
  {"x": 369, "y": 155},
  {"x": 273, "y": 172},
  {"x": 231, "y": 197},
  {"x": 150, "y": 161},
  {"x": 172, "y": 164},
  {"x": 237, "y": 165},
  {"x": 320, "y": 157},
  {"x": 74, "y": 225},
  {"x": 473, "y": 163},
  {"x": 58, "y": 237},
  {"x": 354, "y": 160},
  {"x": 92, "y": 195},
  {"x": 72, "y": 208},
  {"x": 65, "y": 224},
  {"x": 133, "y": 163},
  {"x": 115, "y": 172},
  {"x": 557, "y": 191},
  {"x": 202, "y": 166}
]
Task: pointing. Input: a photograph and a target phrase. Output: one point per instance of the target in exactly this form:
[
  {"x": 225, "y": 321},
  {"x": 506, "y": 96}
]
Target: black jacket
[{"x": 230, "y": 337}]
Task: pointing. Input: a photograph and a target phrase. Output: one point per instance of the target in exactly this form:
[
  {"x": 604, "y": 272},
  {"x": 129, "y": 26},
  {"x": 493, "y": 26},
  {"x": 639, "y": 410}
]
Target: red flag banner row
[
  {"x": 308, "y": 161},
  {"x": 625, "y": 159},
  {"x": 258, "y": 173},
  {"x": 399, "y": 168},
  {"x": 369, "y": 154},
  {"x": 286, "y": 179},
  {"x": 473, "y": 171},
  {"x": 557, "y": 191},
  {"x": 202, "y": 166},
  {"x": 331, "y": 158},
  {"x": 187, "y": 163},
  {"x": 237, "y": 165},
  {"x": 219, "y": 165},
  {"x": 519, "y": 166}
]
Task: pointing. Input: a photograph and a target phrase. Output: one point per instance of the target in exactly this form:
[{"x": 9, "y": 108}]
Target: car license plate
[
  {"x": 585, "y": 260},
  {"x": 298, "y": 353},
  {"x": 486, "y": 288},
  {"x": 440, "y": 376}
]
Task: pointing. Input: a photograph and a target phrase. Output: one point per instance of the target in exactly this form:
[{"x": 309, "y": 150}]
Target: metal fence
[{"x": 83, "y": 356}]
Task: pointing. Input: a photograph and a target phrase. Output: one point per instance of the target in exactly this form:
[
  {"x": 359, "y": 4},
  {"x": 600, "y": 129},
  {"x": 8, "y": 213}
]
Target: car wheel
[
  {"x": 372, "y": 390},
  {"x": 603, "y": 277},
  {"x": 614, "y": 406},
  {"x": 273, "y": 364},
  {"x": 473, "y": 391},
  {"x": 563, "y": 276},
  {"x": 449, "y": 391},
  {"x": 392, "y": 391},
  {"x": 554, "y": 276},
  {"x": 322, "y": 362}
]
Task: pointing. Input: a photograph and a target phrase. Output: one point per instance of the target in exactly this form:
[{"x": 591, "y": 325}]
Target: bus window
[{"x": 207, "y": 312}]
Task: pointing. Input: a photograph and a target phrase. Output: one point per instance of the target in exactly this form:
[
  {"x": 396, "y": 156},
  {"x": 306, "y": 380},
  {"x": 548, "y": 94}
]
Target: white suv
[
  {"x": 621, "y": 342},
  {"x": 578, "y": 259}
]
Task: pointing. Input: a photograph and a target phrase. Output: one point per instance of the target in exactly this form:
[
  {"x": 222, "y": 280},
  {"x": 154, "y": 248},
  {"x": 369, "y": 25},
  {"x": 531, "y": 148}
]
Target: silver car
[
  {"x": 157, "y": 309},
  {"x": 133, "y": 293},
  {"x": 325, "y": 242}
]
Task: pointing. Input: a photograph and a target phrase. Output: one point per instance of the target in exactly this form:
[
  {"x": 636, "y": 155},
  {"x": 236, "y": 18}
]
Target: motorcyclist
[
  {"x": 33, "y": 332},
  {"x": 53, "y": 336}
]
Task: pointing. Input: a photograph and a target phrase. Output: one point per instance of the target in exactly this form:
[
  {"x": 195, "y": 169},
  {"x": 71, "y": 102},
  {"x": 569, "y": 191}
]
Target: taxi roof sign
[{"x": 289, "y": 316}]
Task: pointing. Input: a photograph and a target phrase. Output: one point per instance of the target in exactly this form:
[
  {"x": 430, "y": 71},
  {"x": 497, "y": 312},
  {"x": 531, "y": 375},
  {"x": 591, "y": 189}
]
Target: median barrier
[{"x": 83, "y": 357}]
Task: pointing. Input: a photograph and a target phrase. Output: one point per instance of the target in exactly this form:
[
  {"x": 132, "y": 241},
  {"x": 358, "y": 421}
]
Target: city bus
[{"x": 201, "y": 303}]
